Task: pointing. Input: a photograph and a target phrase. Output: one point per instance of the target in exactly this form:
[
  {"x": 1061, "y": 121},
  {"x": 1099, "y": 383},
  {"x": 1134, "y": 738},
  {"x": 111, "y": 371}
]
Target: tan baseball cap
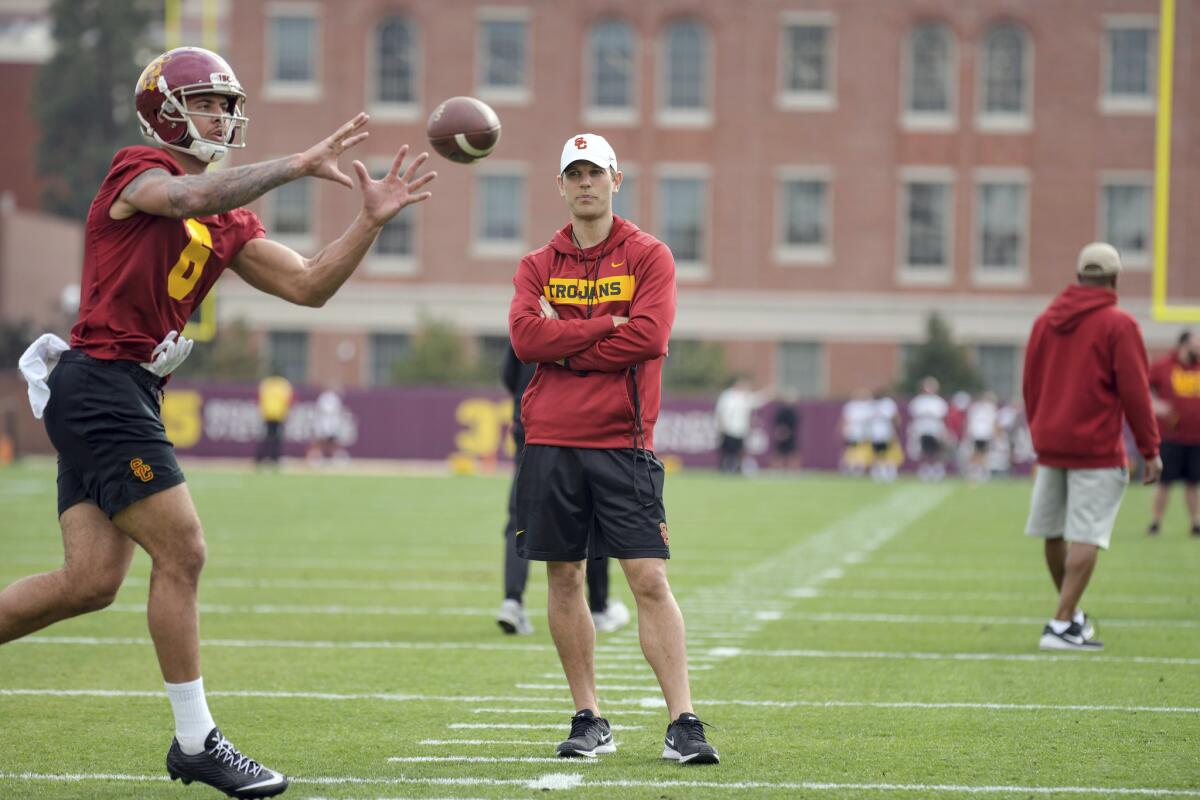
[
  {"x": 590, "y": 147},
  {"x": 1099, "y": 258}
]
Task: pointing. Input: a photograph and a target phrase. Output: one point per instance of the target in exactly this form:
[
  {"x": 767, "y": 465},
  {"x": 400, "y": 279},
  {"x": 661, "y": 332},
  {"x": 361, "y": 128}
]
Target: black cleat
[
  {"x": 686, "y": 744},
  {"x": 590, "y": 736},
  {"x": 222, "y": 767},
  {"x": 1070, "y": 639}
]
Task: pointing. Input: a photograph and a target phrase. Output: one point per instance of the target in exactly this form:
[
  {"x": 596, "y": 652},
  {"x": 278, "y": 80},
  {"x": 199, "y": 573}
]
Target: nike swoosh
[
  {"x": 616, "y": 264},
  {"x": 274, "y": 780},
  {"x": 670, "y": 741},
  {"x": 606, "y": 738},
  {"x": 520, "y": 532}
]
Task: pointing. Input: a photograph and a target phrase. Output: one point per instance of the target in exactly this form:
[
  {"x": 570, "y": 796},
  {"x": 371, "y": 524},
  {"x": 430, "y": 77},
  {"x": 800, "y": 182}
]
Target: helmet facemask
[{"x": 233, "y": 120}]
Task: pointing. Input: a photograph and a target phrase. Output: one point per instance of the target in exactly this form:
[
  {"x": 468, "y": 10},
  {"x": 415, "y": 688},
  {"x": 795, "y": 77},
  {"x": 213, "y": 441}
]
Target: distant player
[
  {"x": 594, "y": 308},
  {"x": 852, "y": 425},
  {"x": 881, "y": 431},
  {"x": 1175, "y": 382},
  {"x": 927, "y": 424},
  {"x": 159, "y": 233},
  {"x": 982, "y": 427}
]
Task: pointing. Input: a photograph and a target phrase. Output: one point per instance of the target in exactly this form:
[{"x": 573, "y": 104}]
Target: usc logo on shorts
[
  {"x": 662, "y": 531},
  {"x": 142, "y": 470}
]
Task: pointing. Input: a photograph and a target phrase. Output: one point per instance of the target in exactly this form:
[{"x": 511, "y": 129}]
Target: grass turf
[{"x": 850, "y": 639}]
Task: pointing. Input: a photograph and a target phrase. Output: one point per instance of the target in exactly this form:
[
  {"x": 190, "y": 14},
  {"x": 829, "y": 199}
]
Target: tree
[
  {"x": 441, "y": 357},
  {"x": 231, "y": 356},
  {"x": 83, "y": 101},
  {"x": 940, "y": 357},
  {"x": 694, "y": 366}
]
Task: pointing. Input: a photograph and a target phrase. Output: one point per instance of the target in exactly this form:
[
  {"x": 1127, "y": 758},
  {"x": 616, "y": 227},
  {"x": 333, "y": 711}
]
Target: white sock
[
  {"x": 193, "y": 722},
  {"x": 1059, "y": 625},
  {"x": 1078, "y": 617}
]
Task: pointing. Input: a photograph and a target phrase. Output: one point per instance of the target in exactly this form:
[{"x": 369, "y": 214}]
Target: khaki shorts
[{"x": 1079, "y": 505}]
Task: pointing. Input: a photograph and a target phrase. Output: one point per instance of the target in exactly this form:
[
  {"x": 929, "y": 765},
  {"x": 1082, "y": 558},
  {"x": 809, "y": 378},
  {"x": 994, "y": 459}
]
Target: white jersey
[
  {"x": 855, "y": 416},
  {"x": 735, "y": 408},
  {"x": 928, "y": 413},
  {"x": 981, "y": 421},
  {"x": 329, "y": 415},
  {"x": 882, "y": 427}
]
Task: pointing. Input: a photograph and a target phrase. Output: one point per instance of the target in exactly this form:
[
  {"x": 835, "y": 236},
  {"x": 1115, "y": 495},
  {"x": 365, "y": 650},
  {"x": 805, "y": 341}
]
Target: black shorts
[
  {"x": 565, "y": 492},
  {"x": 930, "y": 445},
  {"x": 982, "y": 445},
  {"x": 879, "y": 448},
  {"x": 104, "y": 420},
  {"x": 1181, "y": 462}
]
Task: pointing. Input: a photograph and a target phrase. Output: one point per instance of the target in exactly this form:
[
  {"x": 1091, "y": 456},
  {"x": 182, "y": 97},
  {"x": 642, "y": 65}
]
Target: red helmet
[{"x": 161, "y": 102}]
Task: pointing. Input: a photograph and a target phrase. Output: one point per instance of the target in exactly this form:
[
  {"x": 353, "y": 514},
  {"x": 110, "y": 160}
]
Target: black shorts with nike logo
[
  {"x": 104, "y": 420},
  {"x": 563, "y": 493}
]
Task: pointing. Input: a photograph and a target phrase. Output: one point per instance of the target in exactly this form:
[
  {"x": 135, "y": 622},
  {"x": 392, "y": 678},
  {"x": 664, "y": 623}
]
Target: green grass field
[{"x": 848, "y": 640}]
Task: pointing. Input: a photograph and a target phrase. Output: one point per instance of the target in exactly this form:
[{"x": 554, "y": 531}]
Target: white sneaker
[
  {"x": 511, "y": 618},
  {"x": 614, "y": 617}
]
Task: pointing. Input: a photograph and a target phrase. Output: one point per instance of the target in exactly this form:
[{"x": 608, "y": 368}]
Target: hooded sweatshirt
[
  {"x": 1086, "y": 371},
  {"x": 607, "y": 395}
]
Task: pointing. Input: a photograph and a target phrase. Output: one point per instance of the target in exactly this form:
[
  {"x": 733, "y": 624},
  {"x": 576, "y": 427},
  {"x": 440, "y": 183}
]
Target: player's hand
[
  {"x": 320, "y": 160},
  {"x": 548, "y": 310},
  {"x": 383, "y": 199},
  {"x": 1153, "y": 470}
]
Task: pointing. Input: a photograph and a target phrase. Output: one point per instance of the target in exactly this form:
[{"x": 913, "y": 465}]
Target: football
[{"x": 463, "y": 129}]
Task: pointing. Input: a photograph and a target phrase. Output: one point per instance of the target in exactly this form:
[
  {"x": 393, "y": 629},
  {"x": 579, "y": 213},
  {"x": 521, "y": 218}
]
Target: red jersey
[
  {"x": 143, "y": 276},
  {"x": 1085, "y": 372},
  {"x": 592, "y": 403},
  {"x": 1179, "y": 384}
]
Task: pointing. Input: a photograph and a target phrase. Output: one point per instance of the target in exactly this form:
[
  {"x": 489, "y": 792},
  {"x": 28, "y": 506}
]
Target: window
[
  {"x": 1128, "y": 64},
  {"x": 686, "y": 71},
  {"x": 611, "y": 72},
  {"x": 1001, "y": 222},
  {"x": 800, "y": 368},
  {"x": 929, "y": 95},
  {"x": 682, "y": 216},
  {"x": 502, "y": 59},
  {"x": 803, "y": 202},
  {"x": 387, "y": 350},
  {"x": 396, "y": 63},
  {"x": 807, "y": 62},
  {"x": 292, "y": 56},
  {"x": 926, "y": 225},
  {"x": 998, "y": 367},
  {"x": 290, "y": 209},
  {"x": 499, "y": 213},
  {"x": 1125, "y": 219},
  {"x": 625, "y": 202},
  {"x": 1004, "y": 90},
  {"x": 289, "y": 354},
  {"x": 395, "y": 249}
]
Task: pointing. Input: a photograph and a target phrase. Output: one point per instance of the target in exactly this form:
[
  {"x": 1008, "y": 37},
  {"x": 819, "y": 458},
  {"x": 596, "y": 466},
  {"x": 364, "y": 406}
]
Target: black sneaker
[
  {"x": 1070, "y": 639},
  {"x": 1152, "y": 530},
  {"x": 590, "y": 736},
  {"x": 686, "y": 744},
  {"x": 222, "y": 767},
  {"x": 1196, "y": 531}
]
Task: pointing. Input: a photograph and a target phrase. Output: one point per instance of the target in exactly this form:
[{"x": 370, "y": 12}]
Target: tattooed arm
[{"x": 157, "y": 192}]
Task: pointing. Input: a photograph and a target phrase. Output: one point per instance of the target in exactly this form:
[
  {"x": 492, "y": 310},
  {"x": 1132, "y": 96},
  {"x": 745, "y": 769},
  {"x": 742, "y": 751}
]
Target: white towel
[{"x": 36, "y": 362}]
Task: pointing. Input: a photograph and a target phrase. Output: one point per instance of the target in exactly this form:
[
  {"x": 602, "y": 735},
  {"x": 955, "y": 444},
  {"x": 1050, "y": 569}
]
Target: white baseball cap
[
  {"x": 587, "y": 147},
  {"x": 1099, "y": 258}
]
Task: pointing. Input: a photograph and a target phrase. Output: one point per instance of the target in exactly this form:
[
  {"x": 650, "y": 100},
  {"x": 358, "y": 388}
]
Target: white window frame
[
  {"x": 627, "y": 116},
  {"x": 678, "y": 117},
  {"x": 503, "y": 95},
  {"x": 802, "y": 255},
  {"x": 688, "y": 271},
  {"x": 929, "y": 120},
  {"x": 1137, "y": 261},
  {"x": 289, "y": 91},
  {"x": 990, "y": 276},
  {"x": 386, "y": 111},
  {"x": 631, "y": 170},
  {"x": 491, "y": 248},
  {"x": 1005, "y": 121},
  {"x": 1125, "y": 104},
  {"x": 918, "y": 275},
  {"x": 826, "y": 99},
  {"x": 305, "y": 244},
  {"x": 822, "y": 349}
]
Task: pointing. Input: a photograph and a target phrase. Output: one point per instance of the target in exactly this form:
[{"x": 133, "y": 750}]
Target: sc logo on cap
[{"x": 580, "y": 143}]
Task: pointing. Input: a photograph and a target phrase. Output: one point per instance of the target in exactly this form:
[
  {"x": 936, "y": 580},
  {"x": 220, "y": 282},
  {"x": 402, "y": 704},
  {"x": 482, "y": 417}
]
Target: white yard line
[
  {"x": 568, "y": 780},
  {"x": 805, "y": 592},
  {"x": 967, "y": 619},
  {"x": 453, "y": 742},
  {"x": 1076, "y": 657},
  {"x": 326, "y": 610},
  {"x": 555, "y": 711},
  {"x": 485, "y": 760},
  {"x": 522, "y": 726}
]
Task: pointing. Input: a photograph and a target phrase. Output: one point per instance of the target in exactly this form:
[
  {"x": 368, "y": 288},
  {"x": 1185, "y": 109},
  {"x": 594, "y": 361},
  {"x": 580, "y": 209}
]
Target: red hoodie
[
  {"x": 591, "y": 403},
  {"x": 1085, "y": 366}
]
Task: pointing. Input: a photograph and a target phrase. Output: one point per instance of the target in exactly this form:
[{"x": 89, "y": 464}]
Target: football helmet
[{"x": 161, "y": 102}]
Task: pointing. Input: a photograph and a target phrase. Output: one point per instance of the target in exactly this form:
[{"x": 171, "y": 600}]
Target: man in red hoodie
[
  {"x": 1175, "y": 382},
  {"x": 1085, "y": 374},
  {"x": 593, "y": 309}
]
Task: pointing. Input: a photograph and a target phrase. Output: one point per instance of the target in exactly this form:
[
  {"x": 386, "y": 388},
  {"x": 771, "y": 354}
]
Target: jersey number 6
[{"x": 190, "y": 266}]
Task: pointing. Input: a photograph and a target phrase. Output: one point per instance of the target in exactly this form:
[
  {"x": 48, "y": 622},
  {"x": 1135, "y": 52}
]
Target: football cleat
[
  {"x": 222, "y": 767},
  {"x": 1070, "y": 639},
  {"x": 512, "y": 618},
  {"x": 590, "y": 736},
  {"x": 685, "y": 742}
]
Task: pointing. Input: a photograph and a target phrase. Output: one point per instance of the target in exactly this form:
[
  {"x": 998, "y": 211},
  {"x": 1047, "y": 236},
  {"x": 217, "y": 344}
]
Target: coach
[{"x": 1175, "y": 382}]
